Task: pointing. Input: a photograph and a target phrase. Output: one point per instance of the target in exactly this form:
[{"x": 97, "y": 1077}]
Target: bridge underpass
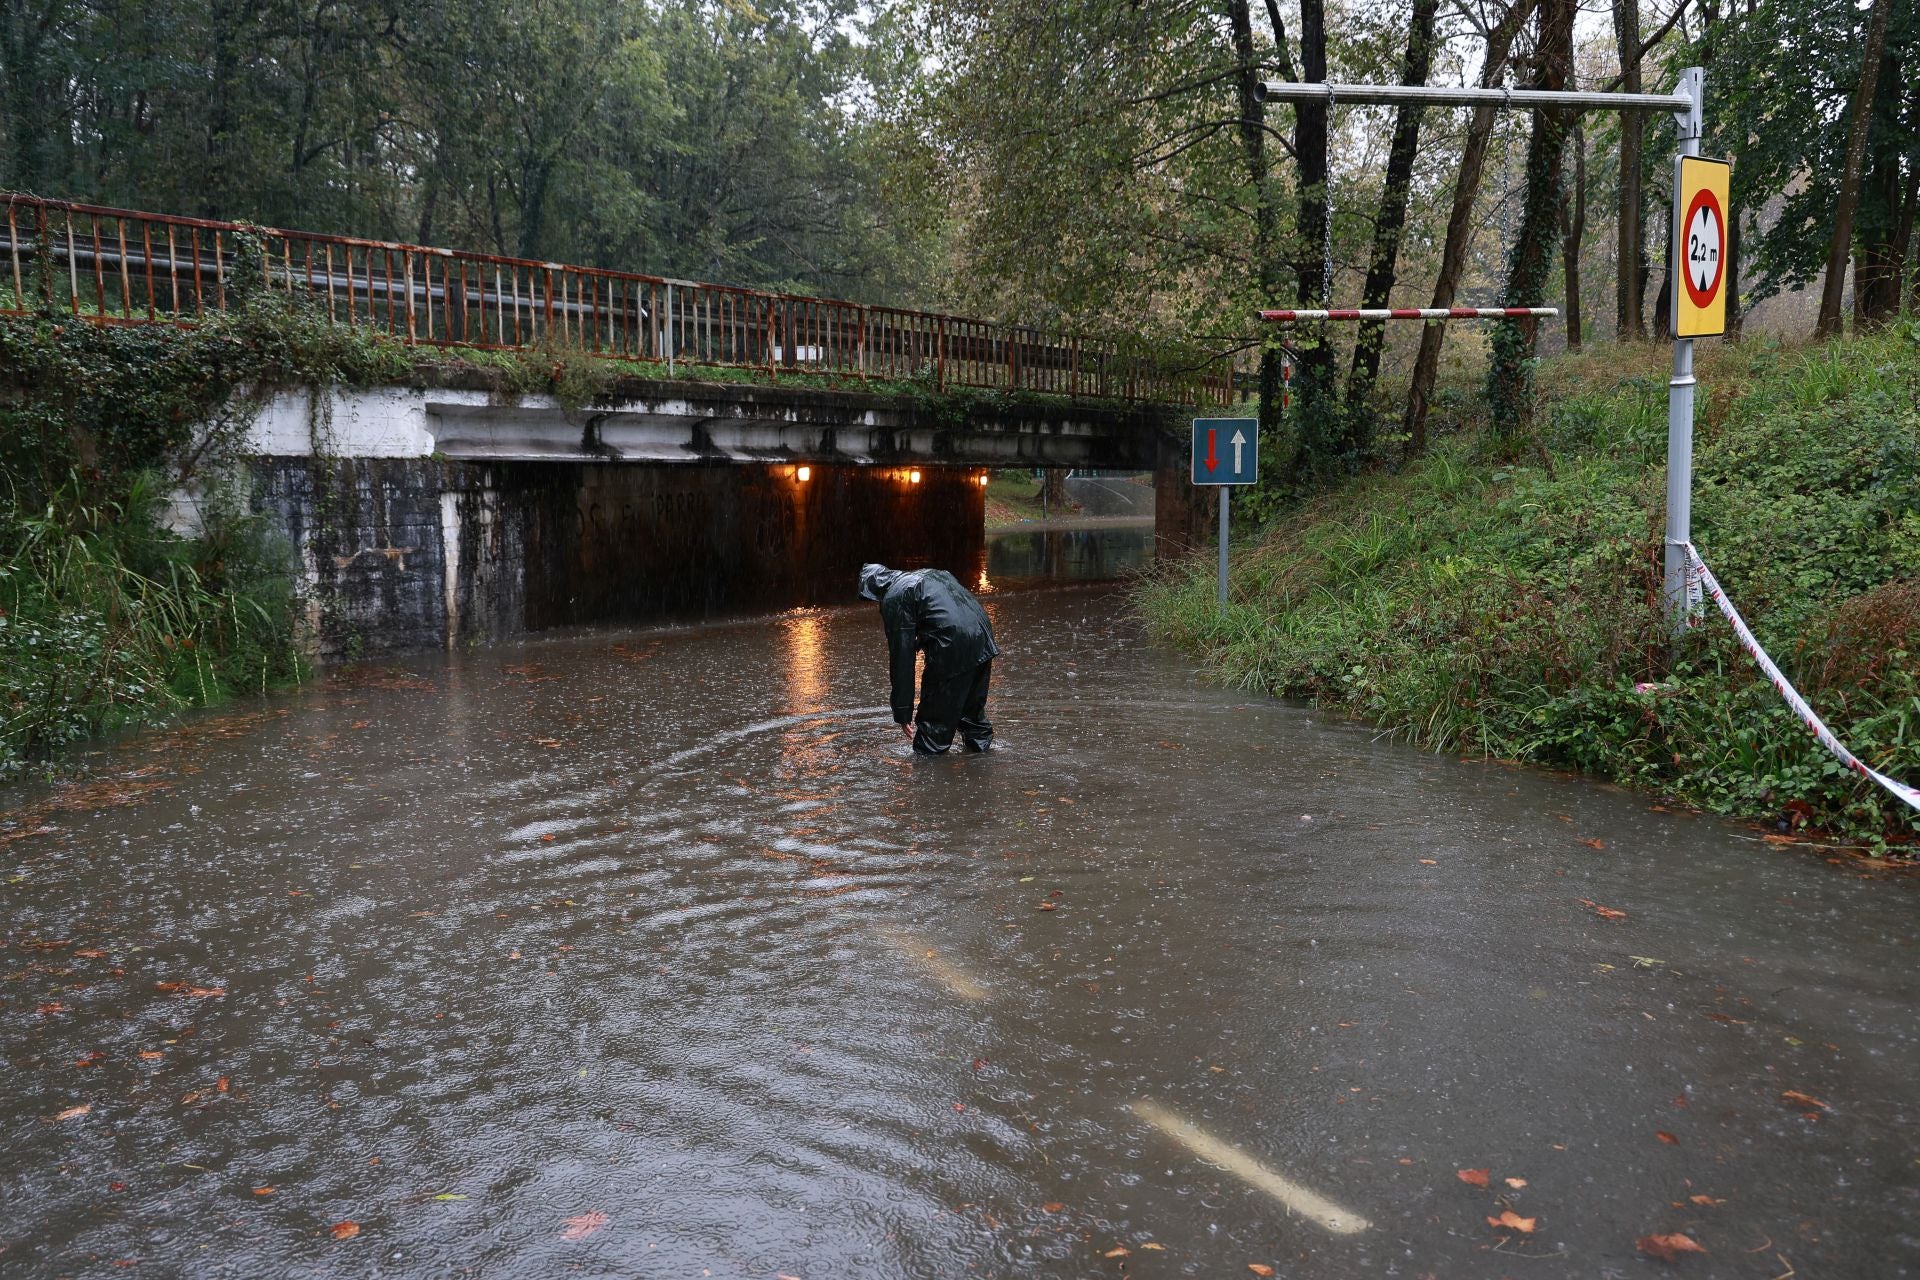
[
  {"x": 452, "y": 511},
  {"x": 455, "y": 508}
]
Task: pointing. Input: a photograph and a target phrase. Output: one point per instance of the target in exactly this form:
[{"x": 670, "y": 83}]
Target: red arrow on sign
[{"x": 1213, "y": 459}]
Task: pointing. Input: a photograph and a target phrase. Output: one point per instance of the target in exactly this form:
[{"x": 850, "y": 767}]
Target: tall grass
[{"x": 107, "y": 620}]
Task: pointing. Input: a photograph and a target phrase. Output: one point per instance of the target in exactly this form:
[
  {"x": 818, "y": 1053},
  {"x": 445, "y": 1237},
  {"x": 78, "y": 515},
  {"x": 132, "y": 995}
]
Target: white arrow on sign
[{"x": 1237, "y": 442}]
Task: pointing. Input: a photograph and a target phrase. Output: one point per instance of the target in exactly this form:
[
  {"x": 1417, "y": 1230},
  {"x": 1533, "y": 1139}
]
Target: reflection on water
[
  {"x": 806, "y": 674},
  {"x": 1074, "y": 555}
]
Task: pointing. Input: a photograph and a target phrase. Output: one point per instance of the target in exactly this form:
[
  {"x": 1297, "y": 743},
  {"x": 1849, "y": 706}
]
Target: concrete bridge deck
[{"x": 468, "y": 414}]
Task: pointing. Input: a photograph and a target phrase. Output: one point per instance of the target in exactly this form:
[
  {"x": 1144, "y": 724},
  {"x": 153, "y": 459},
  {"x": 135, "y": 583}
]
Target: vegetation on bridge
[{"x": 1509, "y": 609}]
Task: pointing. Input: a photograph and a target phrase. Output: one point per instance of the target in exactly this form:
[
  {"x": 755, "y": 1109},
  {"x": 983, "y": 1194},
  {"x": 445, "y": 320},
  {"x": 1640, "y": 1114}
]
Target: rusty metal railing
[{"x": 116, "y": 266}]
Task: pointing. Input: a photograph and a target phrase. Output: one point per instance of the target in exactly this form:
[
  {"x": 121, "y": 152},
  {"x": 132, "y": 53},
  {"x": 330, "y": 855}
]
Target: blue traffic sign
[{"x": 1226, "y": 450}]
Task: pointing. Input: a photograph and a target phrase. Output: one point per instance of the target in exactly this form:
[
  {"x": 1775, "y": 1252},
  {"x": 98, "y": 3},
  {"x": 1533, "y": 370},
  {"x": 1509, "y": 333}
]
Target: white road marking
[
  {"x": 1301, "y": 1200},
  {"x": 948, "y": 974}
]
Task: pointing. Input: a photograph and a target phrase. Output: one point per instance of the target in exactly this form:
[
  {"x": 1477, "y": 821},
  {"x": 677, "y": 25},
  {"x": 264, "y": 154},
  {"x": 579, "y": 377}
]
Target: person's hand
[{"x": 907, "y": 729}]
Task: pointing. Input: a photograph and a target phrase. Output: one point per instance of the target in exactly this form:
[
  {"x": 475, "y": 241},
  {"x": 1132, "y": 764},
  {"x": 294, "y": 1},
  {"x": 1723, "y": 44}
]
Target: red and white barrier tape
[
  {"x": 1704, "y": 576},
  {"x": 1410, "y": 313}
]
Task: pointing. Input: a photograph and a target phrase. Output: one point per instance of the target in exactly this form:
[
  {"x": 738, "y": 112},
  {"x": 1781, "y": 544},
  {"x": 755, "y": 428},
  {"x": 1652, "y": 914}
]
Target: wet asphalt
[{"x": 654, "y": 953}]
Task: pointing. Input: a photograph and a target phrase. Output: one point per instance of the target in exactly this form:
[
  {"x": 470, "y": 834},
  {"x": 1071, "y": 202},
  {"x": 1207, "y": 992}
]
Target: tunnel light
[
  {"x": 803, "y": 474},
  {"x": 913, "y": 477}
]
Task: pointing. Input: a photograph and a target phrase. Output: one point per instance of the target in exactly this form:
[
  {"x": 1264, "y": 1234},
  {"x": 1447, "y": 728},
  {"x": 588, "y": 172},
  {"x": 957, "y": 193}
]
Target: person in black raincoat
[{"x": 928, "y": 609}]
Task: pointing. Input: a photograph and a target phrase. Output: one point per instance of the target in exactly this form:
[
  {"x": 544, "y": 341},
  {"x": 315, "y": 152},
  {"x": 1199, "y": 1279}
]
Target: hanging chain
[{"x": 1326, "y": 217}]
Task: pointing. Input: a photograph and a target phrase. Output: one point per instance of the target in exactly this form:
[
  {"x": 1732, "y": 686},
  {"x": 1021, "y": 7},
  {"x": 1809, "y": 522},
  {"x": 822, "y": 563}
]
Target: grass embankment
[{"x": 1510, "y": 609}]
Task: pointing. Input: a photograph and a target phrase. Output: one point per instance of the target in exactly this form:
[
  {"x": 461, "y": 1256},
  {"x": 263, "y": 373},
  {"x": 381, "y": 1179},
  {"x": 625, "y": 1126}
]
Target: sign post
[
  {"x": 1226, "y": 452},
  {"x": 1700, "y": 200}
]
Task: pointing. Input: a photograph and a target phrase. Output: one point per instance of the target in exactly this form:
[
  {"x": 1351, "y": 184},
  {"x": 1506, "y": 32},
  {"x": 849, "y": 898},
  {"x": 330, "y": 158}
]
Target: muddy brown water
[{"x": 654, "y": 953}]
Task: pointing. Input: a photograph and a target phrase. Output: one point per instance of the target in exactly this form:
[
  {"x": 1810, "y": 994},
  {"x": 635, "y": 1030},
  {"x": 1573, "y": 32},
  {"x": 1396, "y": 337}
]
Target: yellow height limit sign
[{"x": 1700, "y": 248}]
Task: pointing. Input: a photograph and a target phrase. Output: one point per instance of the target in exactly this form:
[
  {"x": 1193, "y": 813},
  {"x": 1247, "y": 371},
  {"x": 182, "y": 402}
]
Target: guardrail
[{"x": 118, "y": 266}]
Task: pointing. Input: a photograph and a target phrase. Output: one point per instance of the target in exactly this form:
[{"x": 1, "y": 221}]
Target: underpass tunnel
[{"x": 408, "y": 553}]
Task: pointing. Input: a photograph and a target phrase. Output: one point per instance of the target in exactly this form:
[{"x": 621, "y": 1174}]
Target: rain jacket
[{"x": 927, "y": 609}]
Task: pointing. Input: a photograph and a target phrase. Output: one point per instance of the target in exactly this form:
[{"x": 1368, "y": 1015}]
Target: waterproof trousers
[{"x": 950, "y": 700}]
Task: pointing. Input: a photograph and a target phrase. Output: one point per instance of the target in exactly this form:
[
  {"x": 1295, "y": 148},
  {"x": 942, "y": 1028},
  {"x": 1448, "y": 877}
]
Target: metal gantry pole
[
  {"x": 1688, "y": 104},
  {"x": 1680, "y": 389},
  {"x": 1438, "y": 95}
]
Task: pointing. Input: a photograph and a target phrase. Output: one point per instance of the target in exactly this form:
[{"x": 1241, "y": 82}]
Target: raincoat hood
[{"x": 875, "y": 579}]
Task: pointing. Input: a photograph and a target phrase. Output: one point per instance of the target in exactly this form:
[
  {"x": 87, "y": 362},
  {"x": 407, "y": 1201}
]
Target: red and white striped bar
[
  {"x": 1410, "y": 313},
  {"x": 1704, "y": 577}
]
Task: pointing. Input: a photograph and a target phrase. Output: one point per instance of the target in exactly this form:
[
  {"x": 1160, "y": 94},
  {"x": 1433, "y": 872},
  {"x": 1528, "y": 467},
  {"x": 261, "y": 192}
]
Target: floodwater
[
  {"x": 1079, "y": 551},
  {"x": 655, "y": 953}
]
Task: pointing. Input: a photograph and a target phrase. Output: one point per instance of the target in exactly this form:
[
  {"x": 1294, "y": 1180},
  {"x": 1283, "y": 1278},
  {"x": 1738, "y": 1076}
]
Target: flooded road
[{"x": 656, "y": 953}]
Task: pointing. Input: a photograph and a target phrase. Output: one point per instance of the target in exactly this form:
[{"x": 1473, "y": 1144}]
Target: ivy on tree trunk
[{"x": 1510, "y": 376}]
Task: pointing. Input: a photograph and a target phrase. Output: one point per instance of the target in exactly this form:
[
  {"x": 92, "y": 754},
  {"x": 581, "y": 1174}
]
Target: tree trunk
[
  {"x": 1266, "y": 247},
  {"x": 1573, "y": 229},
  {"x": 1509, "y": 376},
  {"x": 1859, "y": 116},
  {"x": 1453, "y": 258},
  {"x": 31, "y": 113},
  {"x": 1735, "y": 317},
  {"x": 1053, "y": 491},
  {"x": 533, "y": 208},
  {"x": 1317, "y": 413},
  {"x": 227, "y": 18},
  {"x": 1382, "y": 261},
  {"x": 1663, "y": 301},
  {"x": 1882, "y": 222},
  {"x": 1630, "y": 300},
  {"x": 1903, "y": 238}
]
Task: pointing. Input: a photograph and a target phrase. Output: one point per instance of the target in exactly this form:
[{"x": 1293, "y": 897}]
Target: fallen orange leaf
[
  {"x": 1052, "y": 1206},
  {"x": 1511, "y": 1221},
  {"x": 344, "y": 1230},
  {"x": 1049, "y": 906},
  {"x": 1156, "y": 1247},
  {"x": 152, "y": 1055},
  {"x": 1260, "y": 1268},
  {"x": 1119, "y": 1251},
  {"x": 1473, "y": 1177},
  {"x": 1429, "y": 862},
  {"x": 1666, "y": 1137},
  {"x": 1605, "y": 913},
  {"x": 1667, "y": 1248},
  {"x": 71, "y": 1112},
  {"x": 585, "y": 1225},
  {"x": 1709, "y": 1200},
  {"x": 1516, "y": 1183},
  {"x": 1594, "y": 844},
  {"x": 1803, "y": 1099},
  {"x": 263, "y": 1191}
]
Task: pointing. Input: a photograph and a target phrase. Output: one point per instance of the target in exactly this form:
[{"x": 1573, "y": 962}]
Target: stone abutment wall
[{"x": 408, "y": 553}]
